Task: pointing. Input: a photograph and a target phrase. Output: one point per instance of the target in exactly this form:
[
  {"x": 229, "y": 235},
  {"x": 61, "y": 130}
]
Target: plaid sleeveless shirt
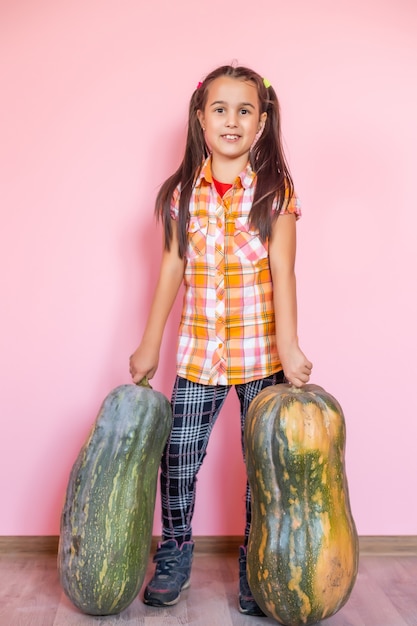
[{"x": 227, "y": 328}]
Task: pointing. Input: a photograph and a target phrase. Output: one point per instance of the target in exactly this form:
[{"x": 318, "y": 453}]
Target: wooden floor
[{"x": 385, "y": 595}]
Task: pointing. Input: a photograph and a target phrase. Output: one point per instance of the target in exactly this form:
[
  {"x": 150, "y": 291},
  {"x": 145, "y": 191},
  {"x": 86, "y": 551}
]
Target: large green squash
[
  {"x": 303, "y": 547},
  {"x": 106, "y": 523}
]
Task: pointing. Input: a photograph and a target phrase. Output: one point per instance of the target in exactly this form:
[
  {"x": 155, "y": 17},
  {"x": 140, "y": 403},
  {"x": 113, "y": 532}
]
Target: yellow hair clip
[{"x": 266, "y": 83}]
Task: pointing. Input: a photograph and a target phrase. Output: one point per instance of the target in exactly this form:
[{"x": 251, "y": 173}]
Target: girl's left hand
[{"x": 297, "y": 368}]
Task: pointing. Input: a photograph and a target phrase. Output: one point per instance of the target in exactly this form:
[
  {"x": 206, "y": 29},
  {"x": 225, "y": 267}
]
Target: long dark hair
[{"x": 273, "y": 178}]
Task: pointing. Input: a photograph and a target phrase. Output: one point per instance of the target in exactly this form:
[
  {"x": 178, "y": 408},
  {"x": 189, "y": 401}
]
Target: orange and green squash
[
  {"x": 107, "y": 518},
  {"x": 302, "y": 556}
]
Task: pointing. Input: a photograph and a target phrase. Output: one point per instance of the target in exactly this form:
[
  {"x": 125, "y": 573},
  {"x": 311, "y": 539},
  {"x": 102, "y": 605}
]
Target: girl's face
[{"x": 231, "y": 119}]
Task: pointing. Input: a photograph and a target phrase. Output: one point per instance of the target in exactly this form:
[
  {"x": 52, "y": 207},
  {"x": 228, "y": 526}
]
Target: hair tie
[
  {"x": 199, "y": 84},
  {"x": 266, "y": 82}
]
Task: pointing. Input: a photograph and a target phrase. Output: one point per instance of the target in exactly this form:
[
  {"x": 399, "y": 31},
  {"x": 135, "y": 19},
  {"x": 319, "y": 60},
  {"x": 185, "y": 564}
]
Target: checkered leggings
[{"x": 195, "y": 409}]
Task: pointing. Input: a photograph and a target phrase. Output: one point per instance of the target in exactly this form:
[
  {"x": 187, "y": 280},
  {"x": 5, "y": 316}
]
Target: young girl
[{"x": 229, "y": 215}]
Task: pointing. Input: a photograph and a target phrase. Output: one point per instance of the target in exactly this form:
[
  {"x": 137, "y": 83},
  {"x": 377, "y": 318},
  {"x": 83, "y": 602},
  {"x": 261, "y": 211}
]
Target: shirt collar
[{"x": 246, "y": 177}]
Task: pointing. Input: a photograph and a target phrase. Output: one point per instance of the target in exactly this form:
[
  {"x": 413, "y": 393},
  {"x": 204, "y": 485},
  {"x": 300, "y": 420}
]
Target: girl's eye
[
  {"x": 219, "y": 110},
  {"x": 244, "y": 111}
]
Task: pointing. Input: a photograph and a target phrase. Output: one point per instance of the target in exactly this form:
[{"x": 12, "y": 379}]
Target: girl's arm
[
  {"x": 282, "y": 247},
  {"x": 144, "y": 361}
]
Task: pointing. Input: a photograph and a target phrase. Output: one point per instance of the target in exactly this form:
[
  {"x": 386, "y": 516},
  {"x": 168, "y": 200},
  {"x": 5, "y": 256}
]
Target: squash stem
[{"x": 144, "y": 382}]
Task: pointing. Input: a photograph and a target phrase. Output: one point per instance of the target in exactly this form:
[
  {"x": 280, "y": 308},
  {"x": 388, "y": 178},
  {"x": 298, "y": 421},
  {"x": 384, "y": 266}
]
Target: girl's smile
[{"x": 231, "y": 120}]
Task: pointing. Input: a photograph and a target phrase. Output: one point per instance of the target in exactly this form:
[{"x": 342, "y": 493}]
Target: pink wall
[{"x": 92, "y": 117}]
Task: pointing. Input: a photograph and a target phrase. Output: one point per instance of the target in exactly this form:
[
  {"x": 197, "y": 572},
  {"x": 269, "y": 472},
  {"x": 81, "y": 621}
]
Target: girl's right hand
[{"x": 143, "y": 362}]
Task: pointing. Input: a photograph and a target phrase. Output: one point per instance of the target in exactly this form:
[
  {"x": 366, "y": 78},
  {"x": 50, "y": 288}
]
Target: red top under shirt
[{"x": 222, "y": 187}]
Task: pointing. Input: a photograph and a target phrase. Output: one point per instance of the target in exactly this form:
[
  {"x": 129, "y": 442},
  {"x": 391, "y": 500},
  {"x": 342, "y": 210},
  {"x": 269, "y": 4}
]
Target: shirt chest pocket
[
  {"x": 197, "y": 236},
  {"x": 247, "y": 243}
]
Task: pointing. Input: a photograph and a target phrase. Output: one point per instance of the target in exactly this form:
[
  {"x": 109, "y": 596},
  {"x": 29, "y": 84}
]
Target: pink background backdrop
[{"x": 93, "y": 104}]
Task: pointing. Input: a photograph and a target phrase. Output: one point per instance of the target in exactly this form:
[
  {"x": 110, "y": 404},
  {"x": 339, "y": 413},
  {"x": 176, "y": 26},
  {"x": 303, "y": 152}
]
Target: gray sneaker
[
  {"x": 172, "y": 573},
  {"x": 247, "y": 604}
]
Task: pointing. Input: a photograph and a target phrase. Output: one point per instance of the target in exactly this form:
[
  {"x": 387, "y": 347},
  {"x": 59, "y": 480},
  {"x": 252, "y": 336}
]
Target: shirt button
[{"x": 220, "y": 345}]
